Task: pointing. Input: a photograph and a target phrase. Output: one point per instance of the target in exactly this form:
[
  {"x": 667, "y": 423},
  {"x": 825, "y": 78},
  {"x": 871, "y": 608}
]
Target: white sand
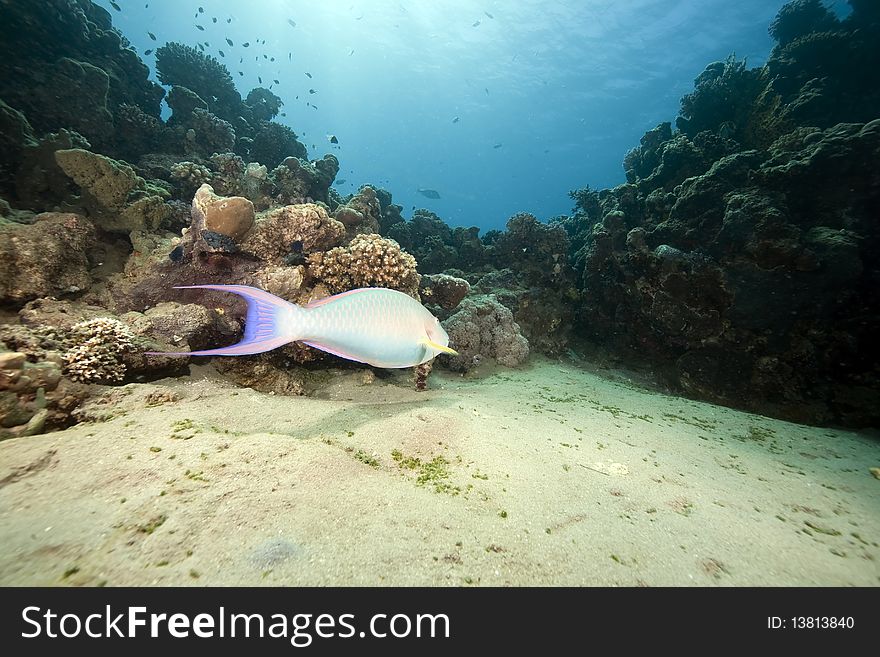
[{"x": 554, "y": 476}]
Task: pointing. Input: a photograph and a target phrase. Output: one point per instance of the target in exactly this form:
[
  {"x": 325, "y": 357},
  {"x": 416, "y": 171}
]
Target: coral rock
[
  {"x": 276, "y": 232},
  {"x": 443, "y": 290},
  {"x": 96, "y": 357},
  {"x": 368, "y": 261},
  {"x": 484, "y": 328},
  {"x": 230, "y": 216},
  {"x": 112, "y": 193},
  {"x": 46, "y": 258},
  {"x": 183, "y": 102},
  {"x": 12, "y": 360}
]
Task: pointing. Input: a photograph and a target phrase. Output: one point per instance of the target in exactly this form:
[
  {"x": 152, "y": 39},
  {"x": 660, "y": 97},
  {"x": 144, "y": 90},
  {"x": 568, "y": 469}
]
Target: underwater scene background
[{"x": 649, "y": 229}]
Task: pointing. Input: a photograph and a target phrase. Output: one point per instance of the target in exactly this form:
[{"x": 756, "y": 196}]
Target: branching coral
[
  {"x": 189, "y": 175},
  {"x": 97, "y": 357},
  {"x": 368, "y": 261}
]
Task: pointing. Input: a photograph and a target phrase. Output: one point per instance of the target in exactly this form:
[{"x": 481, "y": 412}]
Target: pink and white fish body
[{"x": 372, "y": 325}]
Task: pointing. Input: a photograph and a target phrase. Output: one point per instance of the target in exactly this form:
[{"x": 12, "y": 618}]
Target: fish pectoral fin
[{"x": 439, "y": 347}]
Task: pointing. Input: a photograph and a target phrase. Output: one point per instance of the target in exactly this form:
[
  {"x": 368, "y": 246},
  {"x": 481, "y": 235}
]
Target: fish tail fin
[{"x": 267, "y": 325}]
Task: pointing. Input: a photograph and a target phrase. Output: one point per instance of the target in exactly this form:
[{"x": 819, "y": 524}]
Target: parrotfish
[{"x": 372, "y": 325}]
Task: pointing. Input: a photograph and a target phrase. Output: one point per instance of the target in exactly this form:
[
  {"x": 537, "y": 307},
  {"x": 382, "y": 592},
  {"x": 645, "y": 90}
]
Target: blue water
[{"x": 549, "y": 95}]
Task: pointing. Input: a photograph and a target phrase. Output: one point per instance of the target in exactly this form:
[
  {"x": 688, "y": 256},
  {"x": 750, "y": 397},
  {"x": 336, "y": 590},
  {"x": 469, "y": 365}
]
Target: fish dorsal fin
[{"x": 320, "y": 302}]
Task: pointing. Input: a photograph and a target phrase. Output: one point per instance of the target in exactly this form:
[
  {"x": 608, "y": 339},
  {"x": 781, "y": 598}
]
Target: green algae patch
[
  {"x": 184, "y": 429},
  {"x": 153, "y": 524},
  {"x": 433, "y": 473},
  {"x": 367, "y": 459}
]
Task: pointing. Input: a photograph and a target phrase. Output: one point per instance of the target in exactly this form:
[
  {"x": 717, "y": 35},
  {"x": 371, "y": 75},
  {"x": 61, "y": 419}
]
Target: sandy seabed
[{"x": 550, "y": 475}]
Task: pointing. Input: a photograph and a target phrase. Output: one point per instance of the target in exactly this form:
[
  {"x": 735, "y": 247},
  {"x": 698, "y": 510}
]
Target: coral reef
[
  {"x": 69, "y": 49},
  {"x": 190, "y": 176},
  {"x": 421, "y": 374},
  {"x": 16, "y": 134},
  {"x": 33, "y": 395},
  {"x": 96, "y": 356},
  {"x": 273, "y": 142},
  {"x": 362, "y": 212},
  {"x": 369, "y": 260},
  {"x": 46, "y": 258},
  {"x": 113, "y": 195},
  {"x": 207, "y": 134},
  {"x": 265, "y": 374},
  {"x": 264, "y": 105},
  {"x": 40, "y": 184},
  {"x": 230, "y": 216},
  {"x": 443, "y": 290},
  {"x": 484, "y": 328},
  {"x": 744, "y": 283},
  {"x": 739, "y": 260},
  {"x": 61, "y": 349},
  {"x": 300, "y": 181},
  {"x": 290, "y": 229},
  {"x": 183, "y": 102},
  {"x": 182, "y": 66},
  {"x": 435, "y": 245}
]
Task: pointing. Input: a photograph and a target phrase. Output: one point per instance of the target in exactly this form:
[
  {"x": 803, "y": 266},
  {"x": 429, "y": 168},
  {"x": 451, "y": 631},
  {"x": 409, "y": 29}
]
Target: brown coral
[
  {"x": 96, "y": 359},
  {"x": 45, "y": 258},
  {"x": 443, "y": 290},
  {"x": 231, "y": 216},
  {"x": 368, "y": 261},
  {"x": 362, "y": 211},
  {"x": 276, "y": 231},
  {"x": 113, "y": 195},
  {"x": 484, "y": 328}
]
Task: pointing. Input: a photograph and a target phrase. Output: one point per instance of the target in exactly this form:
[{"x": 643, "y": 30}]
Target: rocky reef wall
[{"x": 741, "y": 257}]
